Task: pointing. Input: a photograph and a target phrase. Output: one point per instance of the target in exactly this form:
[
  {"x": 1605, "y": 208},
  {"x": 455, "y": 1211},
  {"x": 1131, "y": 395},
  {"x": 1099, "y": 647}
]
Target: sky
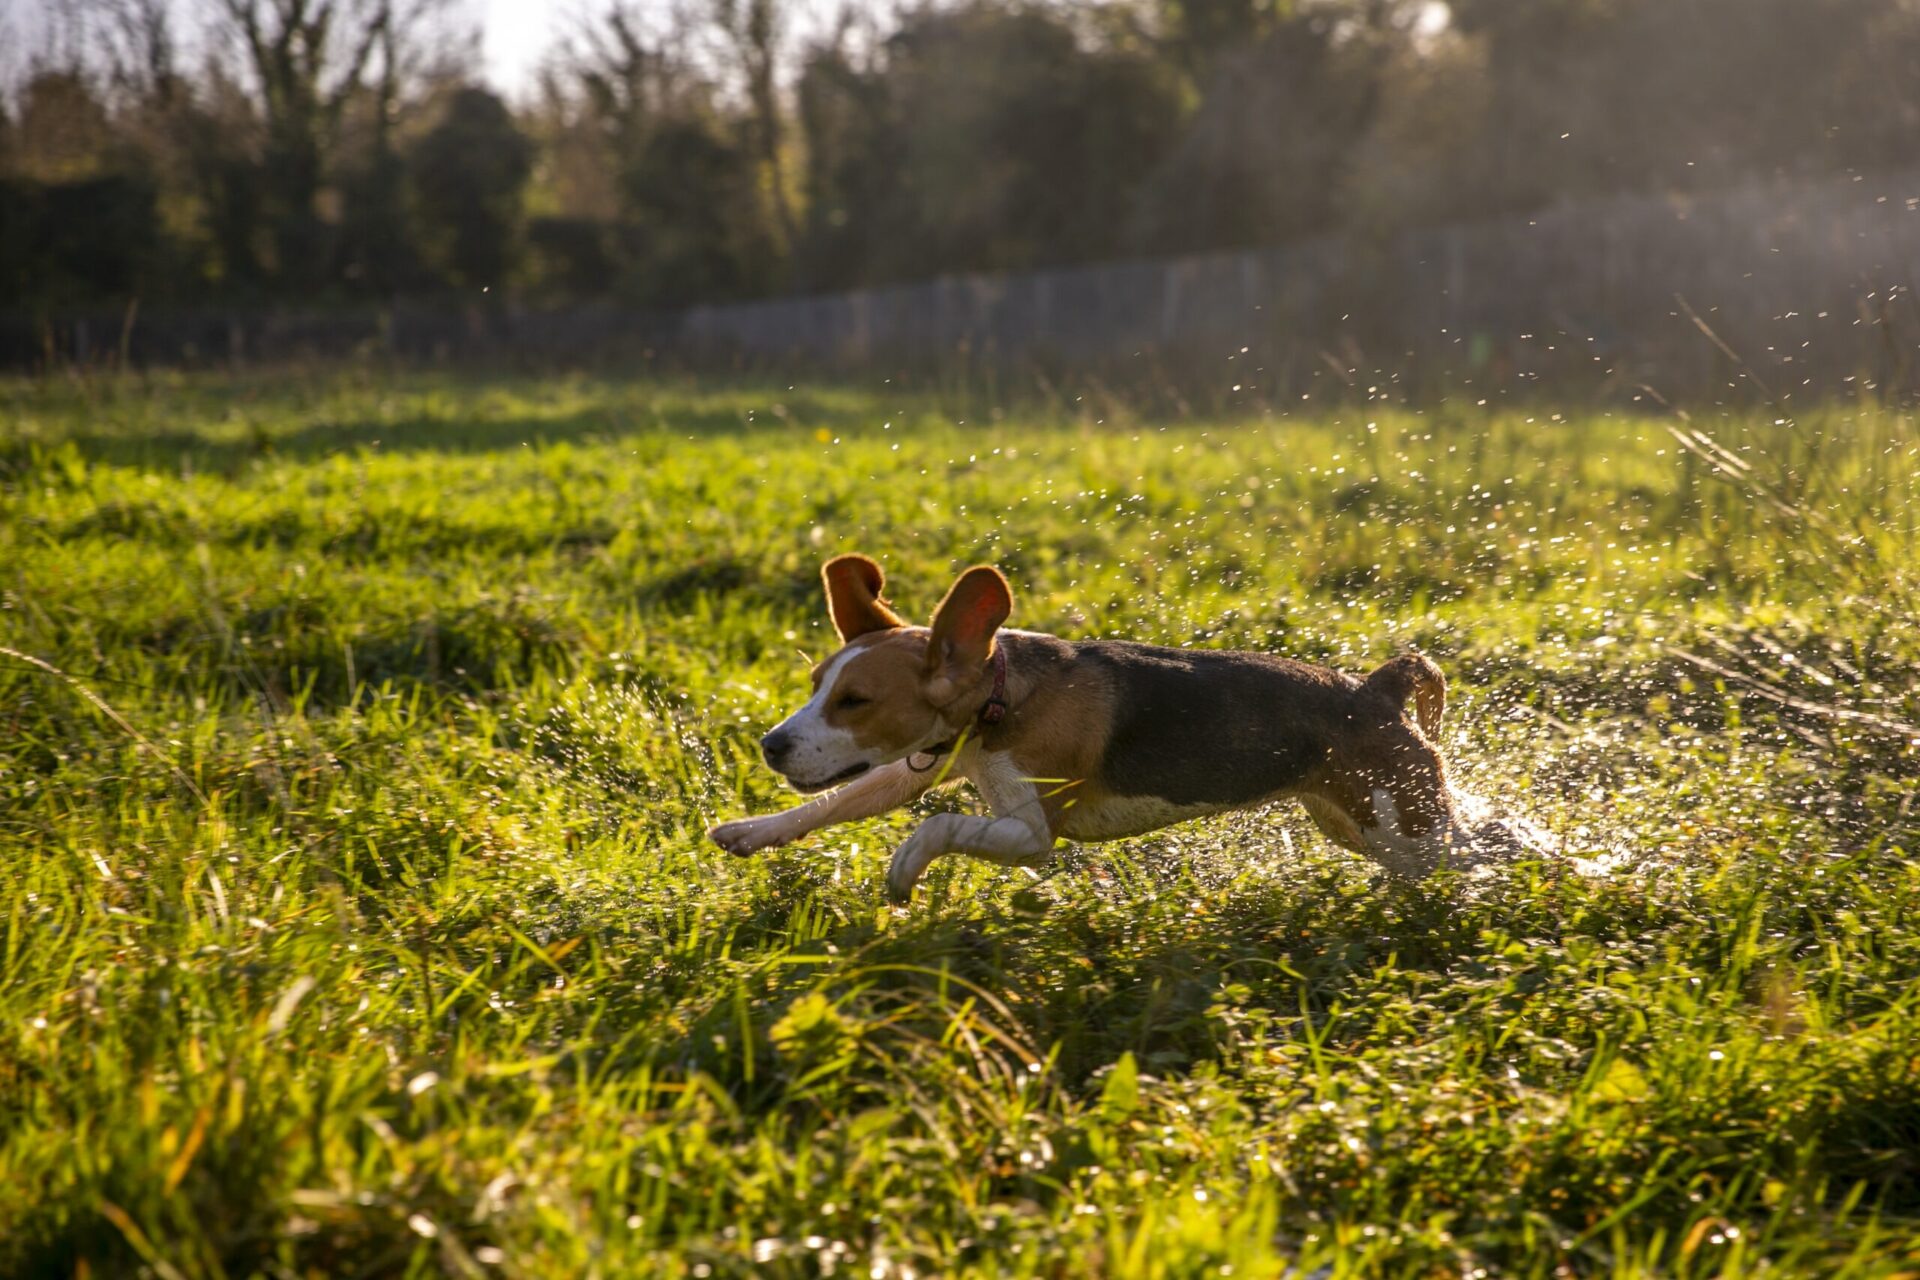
[{"x": 514, "y": 34}]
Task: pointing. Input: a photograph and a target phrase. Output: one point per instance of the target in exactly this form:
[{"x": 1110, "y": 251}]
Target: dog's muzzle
[{"x": 847, "y": 774}]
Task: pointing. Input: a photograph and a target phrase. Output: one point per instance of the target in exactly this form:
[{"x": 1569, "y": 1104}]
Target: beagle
[{"x": 1093, "y": 740}]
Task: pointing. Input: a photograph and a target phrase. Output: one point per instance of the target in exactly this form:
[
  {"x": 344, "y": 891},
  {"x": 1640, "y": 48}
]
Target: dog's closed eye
[{"x": 848, "y": 701}]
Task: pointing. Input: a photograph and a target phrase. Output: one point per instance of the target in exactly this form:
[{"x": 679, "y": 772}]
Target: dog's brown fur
[{"x": 1101, "y": 739}]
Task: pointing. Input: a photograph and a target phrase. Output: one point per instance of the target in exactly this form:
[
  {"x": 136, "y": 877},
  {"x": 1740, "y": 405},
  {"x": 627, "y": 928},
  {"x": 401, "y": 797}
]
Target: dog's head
[{"x": 892, "y": 689}]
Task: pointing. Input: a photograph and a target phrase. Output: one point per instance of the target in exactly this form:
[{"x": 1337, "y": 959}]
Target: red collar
[{"x": 994, "y": 710}]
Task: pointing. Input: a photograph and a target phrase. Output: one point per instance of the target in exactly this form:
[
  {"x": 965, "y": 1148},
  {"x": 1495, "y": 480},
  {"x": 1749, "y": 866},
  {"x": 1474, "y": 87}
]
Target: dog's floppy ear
[
  {"x": 853, "y": 597},
  {"x": 963, "y": 628}
]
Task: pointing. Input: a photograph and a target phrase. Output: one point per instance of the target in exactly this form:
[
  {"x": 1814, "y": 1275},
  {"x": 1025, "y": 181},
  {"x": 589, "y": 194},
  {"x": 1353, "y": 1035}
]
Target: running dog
[{"x": 1093, "y": 740}]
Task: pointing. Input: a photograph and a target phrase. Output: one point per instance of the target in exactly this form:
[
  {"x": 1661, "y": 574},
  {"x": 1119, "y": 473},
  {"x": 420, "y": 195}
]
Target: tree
[
  {"x": 468, "y": 176},
  {"x": 980, "y": 138},
  {"x": 628, "y": 74},
  {"x": 754, "y": 32},
  {"x": 686, "y": 151},
  {"x": 64, "y": 133},
  {"x": 1585, "y": 97},
  {"x": 693, "y": 217},
  {"x": 849, "y": 171},
  {"x": 307, "y": 61},
  {"x": 1197, "y": 31},
  {"x": 140, "y": 51},
  {"x": 692, "y": 226}
]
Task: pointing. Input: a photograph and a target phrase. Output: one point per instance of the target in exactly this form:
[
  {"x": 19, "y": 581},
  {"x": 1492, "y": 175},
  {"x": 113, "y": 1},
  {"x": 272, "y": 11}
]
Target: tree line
[{"x": 342, "y": 150}]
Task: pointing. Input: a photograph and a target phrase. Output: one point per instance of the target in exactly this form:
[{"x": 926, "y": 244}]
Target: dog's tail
[{"x": 1413, "y": 675}]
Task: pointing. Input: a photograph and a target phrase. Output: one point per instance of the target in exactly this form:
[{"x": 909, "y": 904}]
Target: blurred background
[{"x": 1690, "y": 195}]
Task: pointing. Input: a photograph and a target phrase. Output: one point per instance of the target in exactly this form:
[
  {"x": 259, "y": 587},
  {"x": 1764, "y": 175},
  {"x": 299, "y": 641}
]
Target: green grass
[{"x": 355, "y": 917}]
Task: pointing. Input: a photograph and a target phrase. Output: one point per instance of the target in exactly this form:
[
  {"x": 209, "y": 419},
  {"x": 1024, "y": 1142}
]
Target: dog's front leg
[
  {"x": 881, "y": 791},
  {"x": 1009, "y": 842}
]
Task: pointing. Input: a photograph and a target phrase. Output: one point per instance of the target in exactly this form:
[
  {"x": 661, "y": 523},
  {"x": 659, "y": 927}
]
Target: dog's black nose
[{"x": 775, "y": 747}]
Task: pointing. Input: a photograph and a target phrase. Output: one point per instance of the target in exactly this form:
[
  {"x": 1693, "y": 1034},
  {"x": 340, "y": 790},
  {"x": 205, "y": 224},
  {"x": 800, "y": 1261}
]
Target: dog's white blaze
[
  {"x": 820, "y": 750},
  {"x": 817, "y": 704}
]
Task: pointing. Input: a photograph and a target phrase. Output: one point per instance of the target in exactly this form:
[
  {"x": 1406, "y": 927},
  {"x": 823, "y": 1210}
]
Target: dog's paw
[
  {"x": 746, "y": 836},
  {"x": 903, "y": 872}
]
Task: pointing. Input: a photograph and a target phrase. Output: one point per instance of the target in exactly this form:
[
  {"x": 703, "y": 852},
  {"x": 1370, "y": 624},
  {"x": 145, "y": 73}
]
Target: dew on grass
[{"x": 1211, "y": 949}]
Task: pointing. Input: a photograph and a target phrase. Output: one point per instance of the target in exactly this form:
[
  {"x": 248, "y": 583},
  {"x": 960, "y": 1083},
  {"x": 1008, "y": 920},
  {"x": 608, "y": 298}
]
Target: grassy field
[{"x": 357, "y": 736}]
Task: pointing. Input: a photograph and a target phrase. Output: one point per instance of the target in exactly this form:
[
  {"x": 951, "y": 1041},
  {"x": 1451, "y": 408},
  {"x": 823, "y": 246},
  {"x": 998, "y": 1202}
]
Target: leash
[{"x": 992, "y": 711}]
